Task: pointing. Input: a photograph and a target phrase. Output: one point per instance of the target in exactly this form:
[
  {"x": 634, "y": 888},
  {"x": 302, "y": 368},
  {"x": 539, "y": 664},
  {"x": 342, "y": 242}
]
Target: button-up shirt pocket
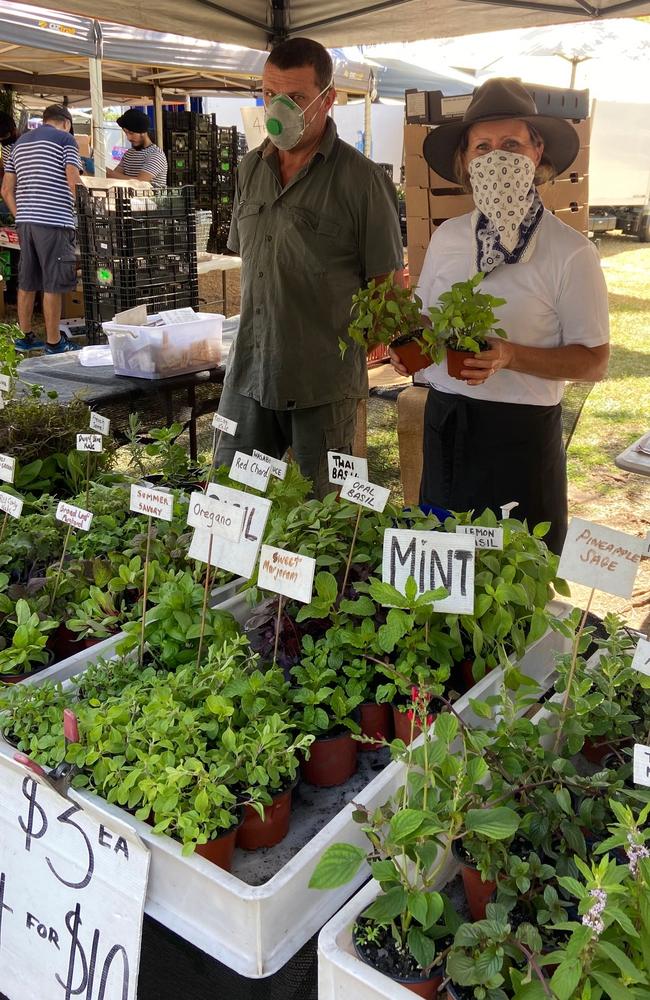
[
  {"x": 310, "y": 239},
  {"x": 248, "y": 215}
]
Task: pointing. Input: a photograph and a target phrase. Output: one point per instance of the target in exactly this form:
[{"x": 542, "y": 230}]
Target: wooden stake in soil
[
  {"x": 216, "y": 444},
  {"x": 59, "y": 570},
  {"x": 572, "y": 668},
  {"x": 88, "y": 454},
  {"x": 4, "y": 525},
  {"x": 277, "y": 629},
  {"x": 351, "y": 553},
  {"x": 204, "y": 610},
  {"x": 145, "y": 590}
]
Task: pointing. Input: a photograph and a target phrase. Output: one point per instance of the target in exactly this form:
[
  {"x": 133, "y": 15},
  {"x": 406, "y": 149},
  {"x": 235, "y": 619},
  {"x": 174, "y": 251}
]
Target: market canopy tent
[{"x": 258, "y": 23}]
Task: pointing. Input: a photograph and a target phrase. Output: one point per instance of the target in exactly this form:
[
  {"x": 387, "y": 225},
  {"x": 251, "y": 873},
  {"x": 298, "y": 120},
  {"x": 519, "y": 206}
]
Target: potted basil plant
[{"x": 385, "y": 313}]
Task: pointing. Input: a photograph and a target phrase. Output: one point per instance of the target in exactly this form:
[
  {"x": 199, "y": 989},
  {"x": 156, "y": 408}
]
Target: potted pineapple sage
[{"x": 457, "y": 327}]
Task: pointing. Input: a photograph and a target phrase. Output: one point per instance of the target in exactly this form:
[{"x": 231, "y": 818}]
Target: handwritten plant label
[
  {"x": 72, "y": 887},
  {"x": 645, "y": 546},
  {"x": 641, "y": 658},
  {"x": 486, "y": 538},
  {"x": 341, "y": 467},
  {"x": 239, "y": 557},
  {"x": 365, "y": 494},
  {"x": 641, "y": 765},
  {"x": 600, "y": 557},
  {"x": 224, "y": 425},
  {"x": 5, "y": 383},
  {"x": 100, "y": 424},
  {"x": 215, "y": 516},
  {"x": 90, "y": 442},
  {"x": 286, "y": 573},
  {"x": 508, "y": 508},
  {"x": 153, "y": 503},
  {"x": 76, "y": 517},
  {"x": 11, "y": 505},
  {"x": 250, "y": 471},
  {"x": 7, "y": 468},
  {"x": 278, "y": 468},
  {"x": 435, "y": 559}
]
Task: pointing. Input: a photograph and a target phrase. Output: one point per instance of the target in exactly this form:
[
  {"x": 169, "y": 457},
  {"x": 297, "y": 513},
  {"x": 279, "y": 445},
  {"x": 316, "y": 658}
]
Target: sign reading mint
[
  {"x": 434, "y": 559},
  {"x": 72, "y": 889}
]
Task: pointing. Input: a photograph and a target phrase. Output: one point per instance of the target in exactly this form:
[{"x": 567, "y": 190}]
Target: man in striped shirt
[
  {"x": 41, "y": 173},
  {"x": 144, "y": 161}
]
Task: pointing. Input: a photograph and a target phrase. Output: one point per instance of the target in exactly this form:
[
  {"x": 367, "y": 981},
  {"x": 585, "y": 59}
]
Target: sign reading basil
[
  {"x": 486, "y": 538},
  {"x": 434, "y": 559}
]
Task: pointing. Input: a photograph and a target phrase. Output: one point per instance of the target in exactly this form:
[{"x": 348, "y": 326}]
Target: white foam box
[
  {"x": 157, "y": 352},
  {"x": 256, "y": 929}
]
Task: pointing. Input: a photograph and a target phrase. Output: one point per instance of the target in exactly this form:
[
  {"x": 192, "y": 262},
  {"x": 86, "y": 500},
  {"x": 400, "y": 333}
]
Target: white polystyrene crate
[
  {"x": 256, "y": 930},
  {"x": 156, "y": 352}
]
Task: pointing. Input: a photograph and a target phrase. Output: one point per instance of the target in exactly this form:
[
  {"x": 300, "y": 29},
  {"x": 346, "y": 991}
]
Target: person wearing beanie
[
  {"x": 144, "y": 161},
  {"x": 41, "y": 174}
]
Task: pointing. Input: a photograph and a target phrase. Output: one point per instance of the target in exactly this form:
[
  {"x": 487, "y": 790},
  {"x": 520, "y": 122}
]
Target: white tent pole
[
  {"x": 158, "y": 114},
  {"x": 97, "y": 103},
  {"x": 367, "y": 116}
]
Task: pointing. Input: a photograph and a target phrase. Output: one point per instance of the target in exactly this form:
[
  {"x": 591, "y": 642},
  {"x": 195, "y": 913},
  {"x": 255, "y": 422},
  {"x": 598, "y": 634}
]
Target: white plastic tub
[
  {"x": 257, "y": 929},
  {"x": 156, "y": 352}
]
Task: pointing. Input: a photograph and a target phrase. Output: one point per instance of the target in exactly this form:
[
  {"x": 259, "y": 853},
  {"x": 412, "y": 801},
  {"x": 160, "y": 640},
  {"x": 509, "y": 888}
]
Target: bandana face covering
[{"x": 509, "y": 208}]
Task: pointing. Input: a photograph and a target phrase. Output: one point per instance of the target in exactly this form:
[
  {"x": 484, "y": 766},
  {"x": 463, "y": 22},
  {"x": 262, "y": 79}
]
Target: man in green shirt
[{"x": 313, "y": 221}]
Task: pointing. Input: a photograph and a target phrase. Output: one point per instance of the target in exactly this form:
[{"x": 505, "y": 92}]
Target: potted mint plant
[{"x": 388, "y": 314}]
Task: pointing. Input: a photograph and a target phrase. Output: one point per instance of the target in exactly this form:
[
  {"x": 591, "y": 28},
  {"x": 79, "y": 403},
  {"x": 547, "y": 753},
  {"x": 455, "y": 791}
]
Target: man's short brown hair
[{"x": 298, "y": 52}]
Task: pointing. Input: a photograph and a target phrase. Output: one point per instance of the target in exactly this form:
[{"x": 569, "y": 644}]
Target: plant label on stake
[
  {"x": 152, "y": 503},
  {"x": 486, "y": 538},
  {"x": 641, "y": 658},
  {"x": 507, "y": 508},
  {"x": 600, "y": 557},
  {"x": 250, "y": 471},
  {"x": 5, "y": 383},
  {"x": 7, "y": 468},
  {"x": 342, "y": 466},
  {"x": 287, "y": 574},
  {"x": 222, "y": 425},
  {"x": 89, "y": 443},
  {"x": 641, "y": 765},
  {"x": 239, "y": 557},
  {"x": 74, "y": 517},
  {"x": 12, "y": 507},
  {"x": 217, "y": 518},
  {"x": 100, "y": 424},
  {"x": 73, "y": 882},
  {"x": 278, "y": 468},
  {"x": 365, "y": 494},
  {"x": 434, "y": 560}
]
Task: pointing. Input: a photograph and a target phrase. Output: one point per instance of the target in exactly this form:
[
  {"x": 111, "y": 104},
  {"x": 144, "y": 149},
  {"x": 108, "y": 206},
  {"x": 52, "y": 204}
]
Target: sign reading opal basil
[
  {"x": 73, "y": 882},
  {"x": 286, "y": 573},
  {"x": 434, "y": 559},
  {"x": 10, "y": 505},
  {"x": 600, "y": 557},
  {"x": 215, "y": 516},
  {"x": 250, "y": 471},
  {"x": 89, "y": 442},
  {"x": 278, "y": 468},
  {"x": 641, "y": 764},
  {"x": 486, "y": 538},
  {"x": 223, "y": 425},
  {"x": 100, "y": 424},
  {"x": 341, "y": 467},
  {"x": 235, "y": 557},
  {"x": 76, "y": 517},
  {"x": 153, "y": 503},
  {"x": 7, "y": 468},
  {"x": 641, "y": 659},
  {"x": 365, "y": 494}
]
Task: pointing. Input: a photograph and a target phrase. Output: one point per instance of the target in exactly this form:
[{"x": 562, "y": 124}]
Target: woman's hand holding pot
[{"x": 479, "y": 368}]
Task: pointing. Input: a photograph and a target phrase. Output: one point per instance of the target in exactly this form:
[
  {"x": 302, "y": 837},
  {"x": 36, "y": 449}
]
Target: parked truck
[{"x": 619, "y": 168}]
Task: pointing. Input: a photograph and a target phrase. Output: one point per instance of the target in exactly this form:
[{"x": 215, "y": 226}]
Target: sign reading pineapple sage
[
  {"x": 76, "y": 517},
  {"x": 641, "y": 659},
  {"x": 434, "y": 559},
  {"x": 600, "y": 557},
  {"x": 250, "y": 471},
  {"x": 7, "y": 468},
  {"x": 486, "y": 538},
  {"x": 235, "y": 557},
  {"x": 10, "y": 505},
  {"x": 286, "y": 573},
  {"x": 365, "y": 494},
  {"x": 215, "y": 516},
  {"x": 153, "y": 503},
  {"x": 641, "y": 765},
  {"x": 72, "y": 887},
  {"x": 341, "y": 467}
]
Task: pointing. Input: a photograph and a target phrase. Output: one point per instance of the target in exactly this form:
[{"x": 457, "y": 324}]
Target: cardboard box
[
  {"x": 414, "y": 136},
  {"x": 450, "y": 206},
  {"x": 565, "y": 193},
  {"x": 584, "y": 131},
  {"x": 580, "y": 165},
  {"x": 416, "y": 171},
  {"x": 416, "y": 257},
  {"x": 417, "y": 202},
  {"x": 83, "y": 142},
  {"x": 418, "y": 232},
  {"x": 72, "y": 304},
  {"x": 577, "y": 216},
  {"x": 441, "y": 185}
]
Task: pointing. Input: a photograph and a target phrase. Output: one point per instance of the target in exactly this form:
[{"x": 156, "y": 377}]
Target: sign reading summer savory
[
  {"x": 434, "y": 559},
  {"x": 153, "y": 503}
]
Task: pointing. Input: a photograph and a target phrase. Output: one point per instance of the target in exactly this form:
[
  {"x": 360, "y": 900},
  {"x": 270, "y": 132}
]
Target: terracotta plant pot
[
  {"x": 426, "y": 988},
  {"x": 597, "y": 750},
  {"x": 456, "y": 362},
  {"x": 332, "y": 760},
  {"x": 63, "y": 642},
  {"x": 478, "y": 892},
  {"x": 466, "y": 668},
  {"x": 410, "y": 353},
  {"x": 220, "y": 850},
  {"x": 256, "y": 832},
  {"x": 16, "y": 678},
  {"x": 403, "y": 725},
  {"x": 375, "y": 723}
]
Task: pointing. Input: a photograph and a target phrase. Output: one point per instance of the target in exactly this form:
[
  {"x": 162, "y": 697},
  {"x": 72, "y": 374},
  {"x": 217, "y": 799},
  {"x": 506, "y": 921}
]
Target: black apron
[{"x": 480, "y": 454}]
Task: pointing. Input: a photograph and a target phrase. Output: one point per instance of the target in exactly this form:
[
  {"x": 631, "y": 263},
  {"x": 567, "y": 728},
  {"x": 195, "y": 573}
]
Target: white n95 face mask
[
  {"x": 285, "y": 120},
  {"x": 502, "y": 185}
]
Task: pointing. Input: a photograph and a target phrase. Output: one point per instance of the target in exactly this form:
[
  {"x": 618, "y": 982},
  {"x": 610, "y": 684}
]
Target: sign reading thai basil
[
  {"x": 434, "y": 559},
  {"x": 341, "y": 467}
]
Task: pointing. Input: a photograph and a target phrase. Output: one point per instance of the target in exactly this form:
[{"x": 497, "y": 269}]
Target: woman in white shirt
[{"x": 497, "y": 436}]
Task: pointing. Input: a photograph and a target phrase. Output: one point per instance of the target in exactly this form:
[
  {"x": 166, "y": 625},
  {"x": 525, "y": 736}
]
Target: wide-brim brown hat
[{"x": 496, "y": 100}]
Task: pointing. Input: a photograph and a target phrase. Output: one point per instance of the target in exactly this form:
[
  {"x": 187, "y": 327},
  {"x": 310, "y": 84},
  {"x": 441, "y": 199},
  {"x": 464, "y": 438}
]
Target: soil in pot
[
  {"x": 478, "y": 892},
  {"x": 410, "y": 353},
  {"x": 220, "y": 850},
  {"x": 383, "y": 956},
  {"x": 332, "y": 760},
  {"x": 256, "y": 832},
  {"x": 376, "y": 724}
]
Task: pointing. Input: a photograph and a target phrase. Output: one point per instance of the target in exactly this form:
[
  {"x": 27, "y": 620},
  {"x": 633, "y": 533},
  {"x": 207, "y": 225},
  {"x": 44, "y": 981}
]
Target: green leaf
[
  {"x": 422, "y": 948},
  {"x": 404, "y": 824},
  {"x": 495, "y": 824},
  {"x": 612, "y": 987},
  {"x": 565, "y": 978},
  {"x": 563, "y": 799},
  {"x": 339, "y": 864},
  {"x": 621, "y": 960},
  {"x": 387, "y": 906},
  {"x": 446, "y": 727}
]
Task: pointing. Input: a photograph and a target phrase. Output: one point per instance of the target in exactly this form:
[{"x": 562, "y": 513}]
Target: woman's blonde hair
[{"x": 545, "y": 170}]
